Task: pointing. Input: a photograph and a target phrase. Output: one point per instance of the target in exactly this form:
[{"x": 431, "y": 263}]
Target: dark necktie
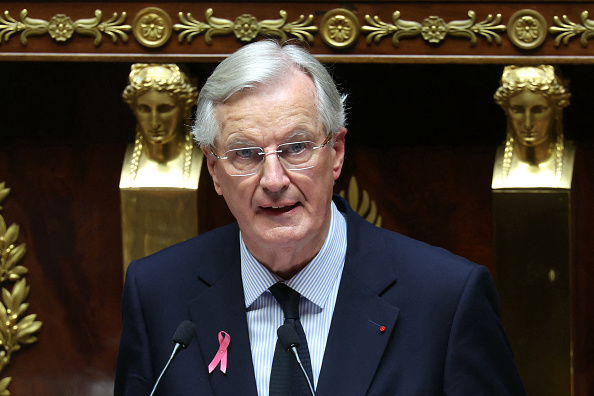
[{"x": 286, "y": 378}]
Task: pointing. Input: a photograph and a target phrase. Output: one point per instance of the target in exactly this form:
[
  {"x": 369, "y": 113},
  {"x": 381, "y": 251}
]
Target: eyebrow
[
  {"x": 243, "y": 141},
  {"x": 239, "y": 142},
  {"x": 299, "y": 134}
]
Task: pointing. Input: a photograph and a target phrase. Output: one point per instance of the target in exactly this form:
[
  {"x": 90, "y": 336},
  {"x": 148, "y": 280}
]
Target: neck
[
  {"x": 287, "y": 266},
  {"x": 287, "y": 261},
  {"x": 534, "y": 155}
]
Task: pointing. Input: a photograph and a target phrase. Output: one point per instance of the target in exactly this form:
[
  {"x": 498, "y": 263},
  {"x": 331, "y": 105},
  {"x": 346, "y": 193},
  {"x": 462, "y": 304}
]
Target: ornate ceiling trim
[{"x": 490, "y": 31}]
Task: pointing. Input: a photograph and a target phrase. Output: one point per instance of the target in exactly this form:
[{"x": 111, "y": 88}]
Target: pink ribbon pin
[{"x": 221, "y": 356}]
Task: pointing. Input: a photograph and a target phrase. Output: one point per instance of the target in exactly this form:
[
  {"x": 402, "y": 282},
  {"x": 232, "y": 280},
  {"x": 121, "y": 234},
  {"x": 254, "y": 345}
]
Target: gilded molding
[
  {"x": 16, "y": 330},
  {"x": 152, "y": 27},
  {"x": 340, "y": 28},
  {"x": 245, "y": 27},
  {"x": 527, "y": 29},
  {"x": 361, "y": 203},
  {"x": 434, "y": 29},
  {"x": 566, "y": 29},
  {"x": 61, "y": 27}
]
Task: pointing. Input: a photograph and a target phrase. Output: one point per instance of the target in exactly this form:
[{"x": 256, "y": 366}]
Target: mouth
[{"x": 281, "y": 209}]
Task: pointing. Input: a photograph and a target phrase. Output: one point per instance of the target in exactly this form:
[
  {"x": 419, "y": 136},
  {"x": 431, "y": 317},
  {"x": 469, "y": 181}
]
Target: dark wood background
[{"x": 421, "y": 141}]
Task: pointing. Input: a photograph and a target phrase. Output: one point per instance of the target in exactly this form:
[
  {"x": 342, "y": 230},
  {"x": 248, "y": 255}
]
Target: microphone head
[
  {"x": 288, "y": 337},
  {"x": 184, "y": 333}
]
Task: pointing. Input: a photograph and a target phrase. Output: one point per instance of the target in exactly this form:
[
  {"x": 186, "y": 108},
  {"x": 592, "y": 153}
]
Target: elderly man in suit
[{"x": 373, "y": 312}]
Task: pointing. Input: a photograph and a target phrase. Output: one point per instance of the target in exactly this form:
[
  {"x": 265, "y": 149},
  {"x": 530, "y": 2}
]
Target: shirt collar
[{"x": 314, "y": 281}]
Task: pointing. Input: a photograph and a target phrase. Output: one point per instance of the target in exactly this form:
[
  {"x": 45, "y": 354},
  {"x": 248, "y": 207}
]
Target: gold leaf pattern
[
  {"x": 15, "y": 328},
  {"x": 566, "y": 29},
  {"x": 433, "y": 29},
  {"x": 245, "y": 27},
  {"x": 367, "y": 208},
  {"x": 61, "y": 27}
]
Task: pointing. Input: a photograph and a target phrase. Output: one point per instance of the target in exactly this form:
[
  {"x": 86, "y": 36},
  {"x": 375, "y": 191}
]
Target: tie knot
[{"x": 287, "y": 298}]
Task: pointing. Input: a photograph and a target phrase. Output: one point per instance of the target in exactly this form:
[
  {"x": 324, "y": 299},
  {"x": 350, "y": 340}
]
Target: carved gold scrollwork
[
  {"x": 527, "y": 29},
  {"x": 400, "y": 29},
  {"x": 152, "y": 27},
  {"x": 245, "y": 27},
  {"x": 434, "y": 29},
  {"x": 566, "y": 29},
  {"x": 340, "y": 28},
  {"x": 361, "y": 203},
  {"x": 16, "y": 330},
  {"x": 61, "y": 27}
]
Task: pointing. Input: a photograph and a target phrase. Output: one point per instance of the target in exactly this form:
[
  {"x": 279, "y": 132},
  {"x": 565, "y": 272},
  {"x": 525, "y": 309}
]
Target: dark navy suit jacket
[{"x": 441, "y": 331}]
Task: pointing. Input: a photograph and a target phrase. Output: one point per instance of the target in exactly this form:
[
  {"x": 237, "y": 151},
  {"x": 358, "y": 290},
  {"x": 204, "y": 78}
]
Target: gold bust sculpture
[
  {"x": 535, "y": 153},
  {"x": 162, "y": 98},
  {"x": 161, "y": 170}
]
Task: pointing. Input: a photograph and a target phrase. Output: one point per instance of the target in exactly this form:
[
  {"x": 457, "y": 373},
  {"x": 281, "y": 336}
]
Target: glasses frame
[{"x": 266, "y": 153}]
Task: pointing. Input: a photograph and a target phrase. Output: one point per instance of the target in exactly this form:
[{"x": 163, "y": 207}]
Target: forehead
[
  {"x": 154, "y": 96},
  {"x": 528, "y": 97},
  {"x": 270, "y": 112}
]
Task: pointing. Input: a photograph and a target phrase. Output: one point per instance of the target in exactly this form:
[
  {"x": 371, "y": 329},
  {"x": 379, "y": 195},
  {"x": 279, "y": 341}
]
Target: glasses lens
[
  {"x": 293, "y": 156},
  {"x": 243, "y": 161},
  {"x": 298, "y": 155}
]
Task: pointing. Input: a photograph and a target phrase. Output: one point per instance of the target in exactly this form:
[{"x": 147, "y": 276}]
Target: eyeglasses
[{"x": 293, "y": 156}]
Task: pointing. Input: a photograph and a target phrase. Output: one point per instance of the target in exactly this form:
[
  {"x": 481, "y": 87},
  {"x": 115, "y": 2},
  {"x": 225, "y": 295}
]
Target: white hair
[{"x": 258, "y": 63}]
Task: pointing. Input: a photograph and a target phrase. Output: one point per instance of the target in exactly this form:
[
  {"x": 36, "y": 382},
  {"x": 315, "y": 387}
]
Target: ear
[
  {"x": 211, "y": 162},
  {"x": 339, "y": 150}
]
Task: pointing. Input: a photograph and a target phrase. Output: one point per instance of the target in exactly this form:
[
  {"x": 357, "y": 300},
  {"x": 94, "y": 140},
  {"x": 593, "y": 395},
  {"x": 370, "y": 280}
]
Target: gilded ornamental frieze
[
  {"x": 171, "y": 29},
  {"x": 245, "y": 27},
  {"x": 433, "y": 29},
  {"x": 527, "y": 29},
  {"x": 61, "y": 27},
  {"x": 152, "y": 27},
  {"x": 565, "y": 29},
  {"x": 340, "y": 28}
]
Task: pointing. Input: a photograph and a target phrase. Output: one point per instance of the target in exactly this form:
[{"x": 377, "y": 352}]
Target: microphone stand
[
  {"x": 296, "y": 356},
  {"x": 176, "y": 349}
]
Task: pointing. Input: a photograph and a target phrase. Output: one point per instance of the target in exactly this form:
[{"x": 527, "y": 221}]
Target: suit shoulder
[
  {"x": 417, "y": 264},
  {"x": 190, "y": 255}
]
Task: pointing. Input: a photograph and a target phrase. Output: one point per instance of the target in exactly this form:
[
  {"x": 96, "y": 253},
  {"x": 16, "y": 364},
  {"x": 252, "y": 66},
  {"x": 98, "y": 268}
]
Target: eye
[
  {"x": 516, "y": 109},
  {"x": 245, "y": 153},
  {"x": 539, "y": 109},
  {"x": 165, "y": 108},
  {"x": 295, "y": 148},
  {"x": 143, "y": 108}
]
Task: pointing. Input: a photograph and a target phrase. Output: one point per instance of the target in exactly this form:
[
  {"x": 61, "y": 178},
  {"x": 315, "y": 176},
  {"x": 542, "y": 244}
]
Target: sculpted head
[
  {"x": 533, "y": 99},
  {"x": 161, "y": 97}
]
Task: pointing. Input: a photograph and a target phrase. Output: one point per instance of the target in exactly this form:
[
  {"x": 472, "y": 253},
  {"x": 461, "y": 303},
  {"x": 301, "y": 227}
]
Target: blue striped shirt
[{"x": 318, "y": 285}]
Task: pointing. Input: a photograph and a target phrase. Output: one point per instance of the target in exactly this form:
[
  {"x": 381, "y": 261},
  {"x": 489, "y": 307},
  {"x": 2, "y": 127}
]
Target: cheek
[
  {"x": 170, "y": 124},
  {"x": 142, "y": 119},
  {"x": 515, "y": 119},
  {"x": 544, "y": 124}
]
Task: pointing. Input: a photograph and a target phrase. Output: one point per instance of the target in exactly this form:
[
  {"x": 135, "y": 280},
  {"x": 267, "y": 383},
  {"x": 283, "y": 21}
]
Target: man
[{"x": 382, "y": 314}]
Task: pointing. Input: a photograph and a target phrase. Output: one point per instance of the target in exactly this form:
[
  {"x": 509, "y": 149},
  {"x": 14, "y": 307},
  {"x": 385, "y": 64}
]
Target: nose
[
  {"x": 155, "y": 119},
  {"x": 528, "y": 120},
  {"x": 274, "y": 175}
]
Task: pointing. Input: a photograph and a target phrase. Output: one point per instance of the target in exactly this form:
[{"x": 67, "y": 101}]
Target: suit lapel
[
  {"x": 356, "y": 341},
  {"x": 221, "y": 307},
  {"x": 363, "y": 321}
]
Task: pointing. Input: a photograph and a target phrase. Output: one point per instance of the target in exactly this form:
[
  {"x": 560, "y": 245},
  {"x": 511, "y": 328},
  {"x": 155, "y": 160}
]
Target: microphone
[
  {"x": 181, "y": 338},
  {"x": 289, "y": 340}
]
